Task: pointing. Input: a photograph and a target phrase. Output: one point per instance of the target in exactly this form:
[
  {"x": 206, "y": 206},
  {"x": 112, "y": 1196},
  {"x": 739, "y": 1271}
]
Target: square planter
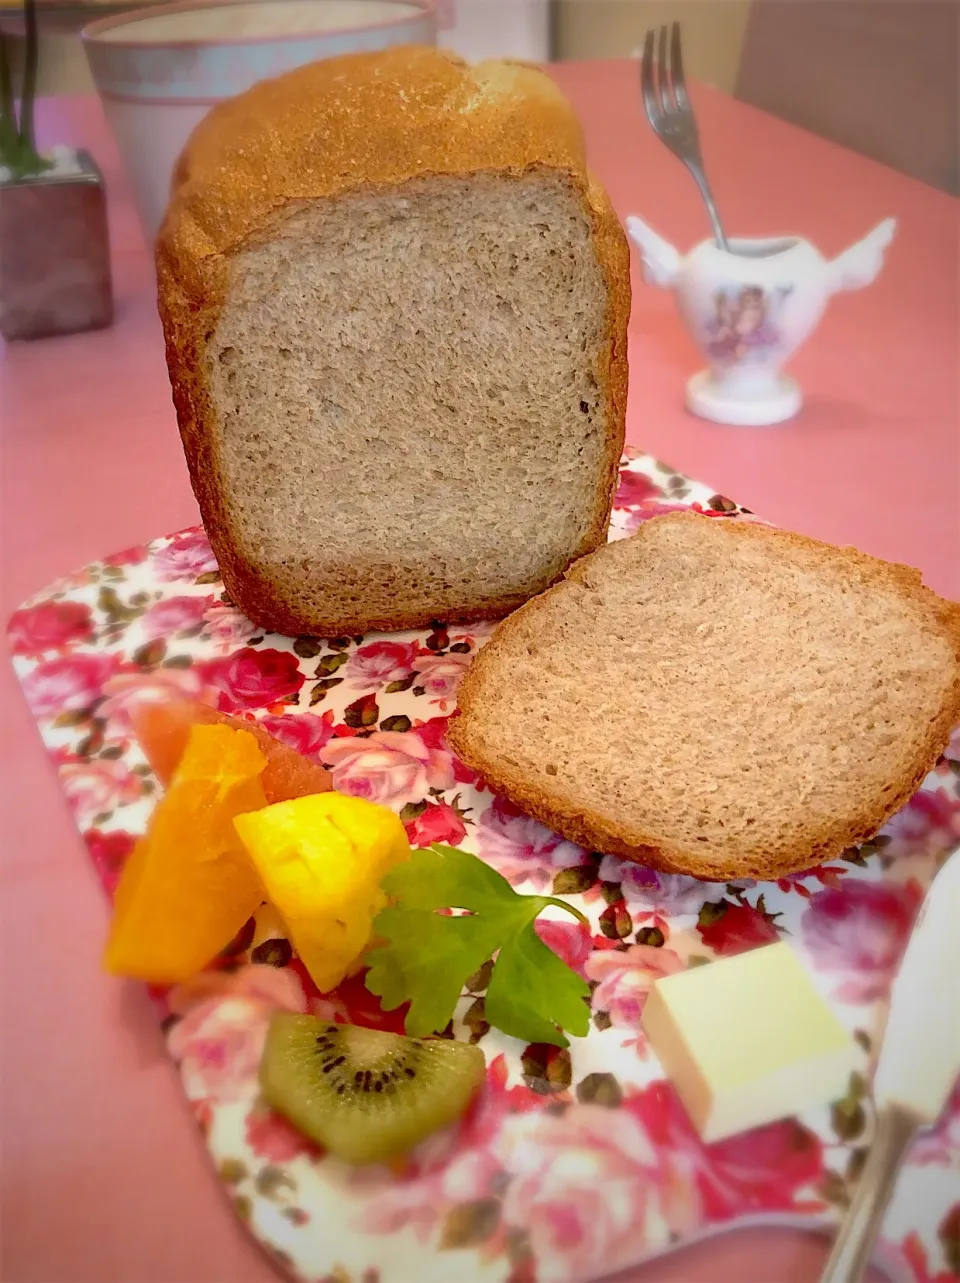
[{"x": 55, "y": 253}]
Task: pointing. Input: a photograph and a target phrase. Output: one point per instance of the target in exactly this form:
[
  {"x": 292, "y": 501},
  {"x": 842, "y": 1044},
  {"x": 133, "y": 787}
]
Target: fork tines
[{"x": 661, "y": 78}]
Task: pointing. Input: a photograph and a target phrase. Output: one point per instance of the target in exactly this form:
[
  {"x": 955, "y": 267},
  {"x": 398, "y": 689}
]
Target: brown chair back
[{"x": 878, "y": 76}]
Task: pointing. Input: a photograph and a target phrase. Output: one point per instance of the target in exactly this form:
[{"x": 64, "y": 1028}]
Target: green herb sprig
[{"x": 427, "y": 955}]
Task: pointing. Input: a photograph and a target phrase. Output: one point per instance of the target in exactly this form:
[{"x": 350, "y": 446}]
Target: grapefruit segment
[
  {"x": 162, "y": 729},
  {"x": 188, "y": 886}
]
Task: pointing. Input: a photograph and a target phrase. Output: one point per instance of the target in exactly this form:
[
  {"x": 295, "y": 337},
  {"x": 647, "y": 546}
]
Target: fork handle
[
  {"x": 701, "y": 180},
  {"x": 895, "y": 1129}
]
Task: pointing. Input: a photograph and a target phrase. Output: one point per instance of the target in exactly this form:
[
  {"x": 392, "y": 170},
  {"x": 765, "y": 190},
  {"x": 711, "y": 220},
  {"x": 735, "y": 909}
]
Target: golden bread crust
[{"x": 413, "y": 112}]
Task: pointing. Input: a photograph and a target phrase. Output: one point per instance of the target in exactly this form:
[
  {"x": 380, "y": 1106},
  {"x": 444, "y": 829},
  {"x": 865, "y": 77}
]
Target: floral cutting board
[{"x": 575, "y": 1163}]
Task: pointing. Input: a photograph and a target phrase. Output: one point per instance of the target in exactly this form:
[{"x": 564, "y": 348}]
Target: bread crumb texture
[
  {"x": 395, "y": 306},
  {"x": 716, "y": 697}
]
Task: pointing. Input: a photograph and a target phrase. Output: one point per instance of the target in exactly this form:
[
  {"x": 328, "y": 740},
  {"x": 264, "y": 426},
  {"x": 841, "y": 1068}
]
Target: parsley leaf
[{"x": 426, "y": 956}]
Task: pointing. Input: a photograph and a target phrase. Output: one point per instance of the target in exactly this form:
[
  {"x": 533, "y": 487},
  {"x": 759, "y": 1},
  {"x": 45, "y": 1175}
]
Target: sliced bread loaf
[
  {"x": 395, "y": 307},
  {"x": 716, "y": 697}
]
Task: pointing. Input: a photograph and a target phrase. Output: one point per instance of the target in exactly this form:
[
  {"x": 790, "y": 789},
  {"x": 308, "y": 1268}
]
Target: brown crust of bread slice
[
  {"x": 576, "y": 820},
  {"x": 289, "y": 140}
]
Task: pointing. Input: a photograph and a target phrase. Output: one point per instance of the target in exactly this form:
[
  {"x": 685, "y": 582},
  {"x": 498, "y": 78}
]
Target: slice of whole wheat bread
[
  {"x": 716, "y": 697},
  {"x": 395, "y": 306}
]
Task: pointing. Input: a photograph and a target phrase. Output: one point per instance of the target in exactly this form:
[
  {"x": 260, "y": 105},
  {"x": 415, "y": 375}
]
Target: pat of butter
[{"x": 747, "y": 1040}]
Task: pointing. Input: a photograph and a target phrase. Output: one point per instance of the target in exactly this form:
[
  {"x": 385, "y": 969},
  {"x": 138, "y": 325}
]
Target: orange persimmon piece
[
  {"x": 188, "y": 885},
  {"x": 162, "y": 730}
]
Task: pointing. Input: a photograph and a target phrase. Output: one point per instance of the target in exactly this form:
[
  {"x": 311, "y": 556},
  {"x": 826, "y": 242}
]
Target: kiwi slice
[{"x": 365, "y": 1095}]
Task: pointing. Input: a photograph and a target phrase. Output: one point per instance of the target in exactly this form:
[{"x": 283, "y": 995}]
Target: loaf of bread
[
  {"x": 717, "y": 698},
  {"x": 395, "y": 308}
]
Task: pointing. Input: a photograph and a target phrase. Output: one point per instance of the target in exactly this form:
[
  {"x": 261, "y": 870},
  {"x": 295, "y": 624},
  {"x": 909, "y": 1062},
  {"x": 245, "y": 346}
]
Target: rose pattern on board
[
  {"x": 99, "y": 787},
  {"x": 571, "y": 941},
  {"x": 734, "y": 927},
  {"x": 227, "y": 627},
  {"x": 49, "y": 626},
  {"x": 915, "y": 1253},
  {"x": 453, "y": 1167},
  {"x": 352, "y": 1002},
  {"x": 582, "y": 1185},
  {"x": 218, "y": 1047},
  {"x": 393, "y": 768},
  {"x": 441, "y": 674},
  {"x": 626, "y": 977},
  {"x": 218, "y": 1039},
  {"x": 461, "y": 1174},
  {"x": 635, "y": 488},
  {"x": 433, "y": 733},
  {"x": 650, "y": 892},
  {"x": 126, "y": 557},
  {"x": 68, "y": 684},
  {"x": 109, "y": 852},
  {"x": 522, "y": 849},
  {"x": 308, "y": 733},
  {"x": 927, "y": 825},
  {"x": 759, "y": 1171},
  {"x": 277, "y": 987},
  {"x": 252, "y": 678},
  {"x": 940, "y": 1144},
  {"x": 173, "y": 615},
  {"x": 456, "y": 1188},
  {"x": 270, "y": 1136},
  {"x": 379, "y": 663},
  {"x": 187, "y": 556},
  {"x": 857, "y": 933},
  {"x": 128, "y": 691},
  {"x": 644, "y": 511},
  {"x": 437, "y": 822}
]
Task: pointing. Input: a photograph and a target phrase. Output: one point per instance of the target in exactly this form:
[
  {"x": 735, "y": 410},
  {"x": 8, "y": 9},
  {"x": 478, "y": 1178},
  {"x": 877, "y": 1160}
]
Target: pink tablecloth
[{"x": 104, "y": 1179}]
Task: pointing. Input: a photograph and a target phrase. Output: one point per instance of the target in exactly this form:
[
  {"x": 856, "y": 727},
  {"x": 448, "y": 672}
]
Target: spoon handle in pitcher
[{"x": 719, "y": 235}]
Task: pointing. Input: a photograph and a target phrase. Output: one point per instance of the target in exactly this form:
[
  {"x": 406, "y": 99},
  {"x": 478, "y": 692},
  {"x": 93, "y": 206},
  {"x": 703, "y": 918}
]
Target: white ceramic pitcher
[{"x": 749, "y": 309}]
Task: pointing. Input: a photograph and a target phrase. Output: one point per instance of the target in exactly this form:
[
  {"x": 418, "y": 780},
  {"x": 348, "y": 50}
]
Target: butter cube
[{"x": 747, "y": 1040}]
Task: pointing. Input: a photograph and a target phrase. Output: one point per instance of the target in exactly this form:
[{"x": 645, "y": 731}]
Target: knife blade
[
  {"x": 919, "y": 1060},
  {"x": 919, "y": 1064}
]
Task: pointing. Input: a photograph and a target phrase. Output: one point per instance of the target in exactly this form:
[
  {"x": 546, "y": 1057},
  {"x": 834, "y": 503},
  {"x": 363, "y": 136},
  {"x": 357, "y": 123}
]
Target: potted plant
[{"x": 54, "y": 246}]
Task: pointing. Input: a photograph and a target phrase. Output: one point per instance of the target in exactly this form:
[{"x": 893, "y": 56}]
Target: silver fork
[{"x": 671, "y": 117}]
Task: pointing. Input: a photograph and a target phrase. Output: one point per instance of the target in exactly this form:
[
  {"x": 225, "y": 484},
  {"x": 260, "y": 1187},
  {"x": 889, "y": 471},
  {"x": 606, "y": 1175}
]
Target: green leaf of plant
[
  {"x": 532, "y": 991},
  {"x": 428, "y": 955},
  {"x": 444, "y": 877},
  {"x": 426, "y": 962}
]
